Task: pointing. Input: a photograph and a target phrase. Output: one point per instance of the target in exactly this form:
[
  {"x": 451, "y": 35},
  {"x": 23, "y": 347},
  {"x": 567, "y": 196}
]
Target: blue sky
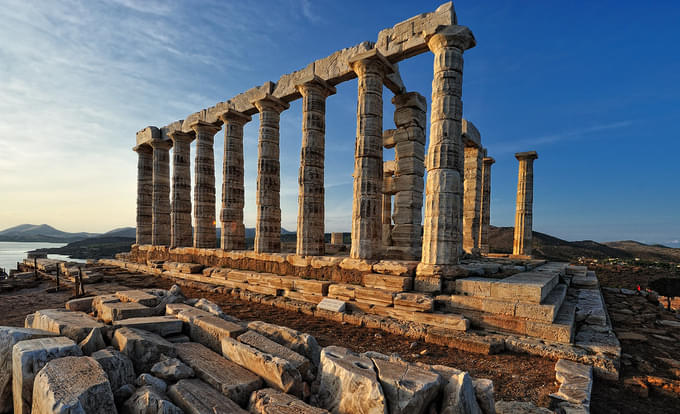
[{"x": 592, "y": 86}]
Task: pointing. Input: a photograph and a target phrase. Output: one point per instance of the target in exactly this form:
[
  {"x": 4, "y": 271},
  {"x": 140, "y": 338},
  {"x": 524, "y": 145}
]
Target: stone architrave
[
  {"x": 472, "y": 198},
  {"x": 180, "y": 214},
  {"x": 521, "y": 245},
  {"x": 233, "y": 235},
  {"x": 485, "y": 212},
  {"x": 371, "y": 68},
  {"x": 268, "y": 199},
  {"x": 444, "y": 161},
  {"x": 144, "y": 193},
  {"x": 310, "y": 225},
  {"x": 160, "y": 222},
  {"x": 205, "y": 233}
]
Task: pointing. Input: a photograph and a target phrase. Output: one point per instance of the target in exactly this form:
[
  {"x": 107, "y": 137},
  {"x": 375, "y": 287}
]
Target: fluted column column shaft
[
  {"x": 181, "y": 189},
  {"x": 371, "y": 69},
  {"x": 160, "y": 227},
  {"x": 233, "y": 236},
  {"x": 310, "y": 220},
  {"x": 485, "y": 212},
  {"x": 268, "y": 199},
  {"x": 522, "y": 242},
  {"x": 205, "y": 234},
  {"x": 472, "y": 197},
  {"x": 144, "y": 194}
]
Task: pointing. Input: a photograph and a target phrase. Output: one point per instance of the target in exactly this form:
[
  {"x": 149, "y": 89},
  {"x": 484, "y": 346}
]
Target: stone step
[
  {"x": 115, "y": 311},
  {"x": 527, "y": 287},
  {"x": 230, "y": 379},
  {"x": 453, "y": 321}
]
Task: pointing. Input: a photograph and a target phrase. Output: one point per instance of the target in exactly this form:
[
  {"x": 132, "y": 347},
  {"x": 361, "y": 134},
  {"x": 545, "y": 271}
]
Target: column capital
[
  {"x": 315, "y": 82},
  {"x": 371, "y": 59},
  {"x": 488, "y": 160},
  {"x": 451, "y": 36},
  {"x": 143, "y": 148},
  {"x": 270, "y": 103},
  {"x": 202, "y": 126},
  {"x": 161, "y": 144},
  {"x": 528, "y": 155},
  {"x": 234, "y": 116},
  {"x": 182, "y": 136}
]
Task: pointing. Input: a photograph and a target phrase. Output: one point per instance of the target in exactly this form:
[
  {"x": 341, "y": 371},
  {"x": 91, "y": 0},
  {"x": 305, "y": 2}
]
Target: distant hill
[
  {"x": 40, "y": 233},
  {"x": 93, "y": 247},
  {"x": 647, "y": 251},
  {"x": 122, "y": 232}
]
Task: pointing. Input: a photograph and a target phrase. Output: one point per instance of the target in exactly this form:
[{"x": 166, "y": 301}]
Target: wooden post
[
  {"x": 35, "y": 267},
  {"x": 57, "y": 277}
]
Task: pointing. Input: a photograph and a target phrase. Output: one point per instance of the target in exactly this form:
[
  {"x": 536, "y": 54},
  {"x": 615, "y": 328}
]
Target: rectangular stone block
[
  {"x": 529, "y": 287},
  {"x": 79, "y": 305},
  {"x": 270, "y": 401},
  {"x": 123, "y": 310},
  {"x": 176, "y": 308},
  {"x": 388, "y": 282},
  {"x": 194, "y": 396},
  {"x": 144, "y": 348},
  {"x": 238, "y": 275},
  {"x": 161, "y": 325},
  {"x": 332, "y": 305},
  {"x": 137, "y": 296},
  {"x": 316, "y": 287},
  {"x": 474, "y": 286},
  {"x": 75, "y": 325},
  {"x": 342, "y": 291},
  {"x": 303, "y": 297},
  {"x": 266, "y": 345},
  {"x": 376, "y": 296},
  {"x": 413, "y": 302}
]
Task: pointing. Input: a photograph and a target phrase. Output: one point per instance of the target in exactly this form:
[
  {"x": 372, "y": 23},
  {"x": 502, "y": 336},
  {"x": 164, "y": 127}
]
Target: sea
[{"x": 13, "y": 252}]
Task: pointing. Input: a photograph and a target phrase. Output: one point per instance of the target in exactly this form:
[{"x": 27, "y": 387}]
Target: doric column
[
  {"x": 144, "y": 193},
  {"x": 268, "y": 225},
  {"x": 310, "y": 224},
  {"x": 485, "y": 213},
  {"x": 472, "y": 198},
  {"x": 521, "y": 245},
  {"x": 160, "y": 223},
  {"x": 233, "y": 235},
  {"x": 441, "y": 229},
  {"x": 388, "y": 172},
  {"x": 181, "y": 189},
  {"x": 371, "y": 68},
  {"x": 205, "y": 235}
]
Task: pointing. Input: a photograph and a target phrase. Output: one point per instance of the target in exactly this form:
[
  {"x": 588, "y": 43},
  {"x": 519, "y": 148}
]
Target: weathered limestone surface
[
  {"x": 485, "y": 205},
  {"x": 160, "y": 222},
  {"x": 161, "y": 325},
  {"x": 147, "y": 400},
  {"x": 233, "y": 190},
  {"x": 117, "y": 366},
  {"x": 444, "y": 161},
  {"x": 205, "y": 234},
  {"x": 172, "y": 370},
  {"x": 196, "y": 397},
  {"x": 276, "y": 372},
  {"x": 310, "y": 226},
  {"x": 137, "y": 296},
  {"x": 93, "y": 342},
  {"x": 268, "y": 225},
  {"x": 80, "y": 304},
  {"x": 302, "y": 343},
  {"x": 521, "y": 245},
  {"x": 115, "y": 311},
  {"x": 472, "y": 198},
  {"x": 181, "y": 235},
  {"x": 266, "y": 345},
  {"x": 208, "y": 329},
  {"x": 28, "y": 357},
  {"x": 142, "y": 347},
  {"x": 371, "y": 68},
  {"x": 144, "y": 193},
  {"x": 348, "y": 383},
  {"x": 232, "y": 380},
  {"x": 75, "y": 325},
  {"x": 458, "y": 392},
  {"x": 271, "y": 401},
  {"x": 72, "y": 385},
  {"x": 8, "y": 337},
  {"x": 408, "y": 388}
]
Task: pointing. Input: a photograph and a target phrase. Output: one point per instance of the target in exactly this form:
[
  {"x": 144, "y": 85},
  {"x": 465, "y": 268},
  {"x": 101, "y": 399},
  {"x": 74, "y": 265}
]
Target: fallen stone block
[
  {"x": 117, "y": 366},
  {"x": 576, "y": 382},
  {"x": 98, "y": 301},
  {"x": 411, "y": 301},
  {"x": 348, "y": 383},
  {"x": 123, "y": 393},
  {"x": 332, "y": 305},
  {"x": 231, "y": 379},
  {"x": 172, "y": 370},
  {"x": 176, "y": 308},
  {"x": 28, "y": 357},
  {"x": 80, "y": 305},
  {"x": 138, "y": 296},
  {"x": 75, "y": 325},
  {"x": 408, "y": 388},
  {"x": 484, "y": 393},
  {"x": 300, "y": 342},
  {"x": 458, "y": 391},
  {"x": 93, "y": 342},
  {"x": 266, "y": 345},
  {"x": 142, "y": 347},
  {"x": 196, "y": 397},
  {"x": 160, "y": 325},
  {"x": 271, "y": 401},
  {"x": 147, "y": 400},
  {"x": 148, "y": 380},
  {"x": 178, "y": 339},
  {"x": 116, "y": 311},
  {"x": 209, "y": 330},
  {"x": 9, "y": 336},
  {"x": 72, "y": 385},
  {"x": 275, "y": 371},
  {"x": 210, "y": 307}
]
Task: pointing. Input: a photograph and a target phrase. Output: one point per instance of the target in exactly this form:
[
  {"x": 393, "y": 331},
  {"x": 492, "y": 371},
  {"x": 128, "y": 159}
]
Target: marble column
[
  {"x": 181, "y": 189},
  {"x": 371, "y": 68},
  {"x": 233, "y": 235},
  {"x": 205, "y": 233},
  {"x": 268, "y": 225},
  {"x": 160, "y": 222},
  {"x": 387, "y": 207},
  {"x": 444, "y": 160},
  {"x": 485, "y": 212},
  {"x": 144, "y": 193},
  {"x": 472, "y": 198},
  {"x": 521, "y": 245},
  {"x": 310, "y": 224}
]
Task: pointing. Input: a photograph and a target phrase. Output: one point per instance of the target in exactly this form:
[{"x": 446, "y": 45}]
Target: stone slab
[
  {"x": 408, "y": 388},
  {"x": 232, "y": 380},
  {"x": 371, "y": 295},
  {"x": 300, "y": 342},
  {"x": 144, "y": 348},
  {"x": 526, "y": 287},
  {"x": 80, "y": 305},
  {"x": 196, "y": 397},
  {"x": 115, "y": 311},
  {"x": 271, "y": 401},
  {"x": 266, "y": 345},
  {"x": 474, "y": 286},
  {"x": 161, "y": 325},
  {"x": 137, "y": 296},
  {"x": 342, "y": 291},
  {"x": 332, "y": 305},
  {"x": 315, "y": 287},
  {"x": 75, "y": 325},
  {"x": 389, "y": 282},
  {"x": 413, "y": 301},
  {"x": 209, "y": 329}
]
